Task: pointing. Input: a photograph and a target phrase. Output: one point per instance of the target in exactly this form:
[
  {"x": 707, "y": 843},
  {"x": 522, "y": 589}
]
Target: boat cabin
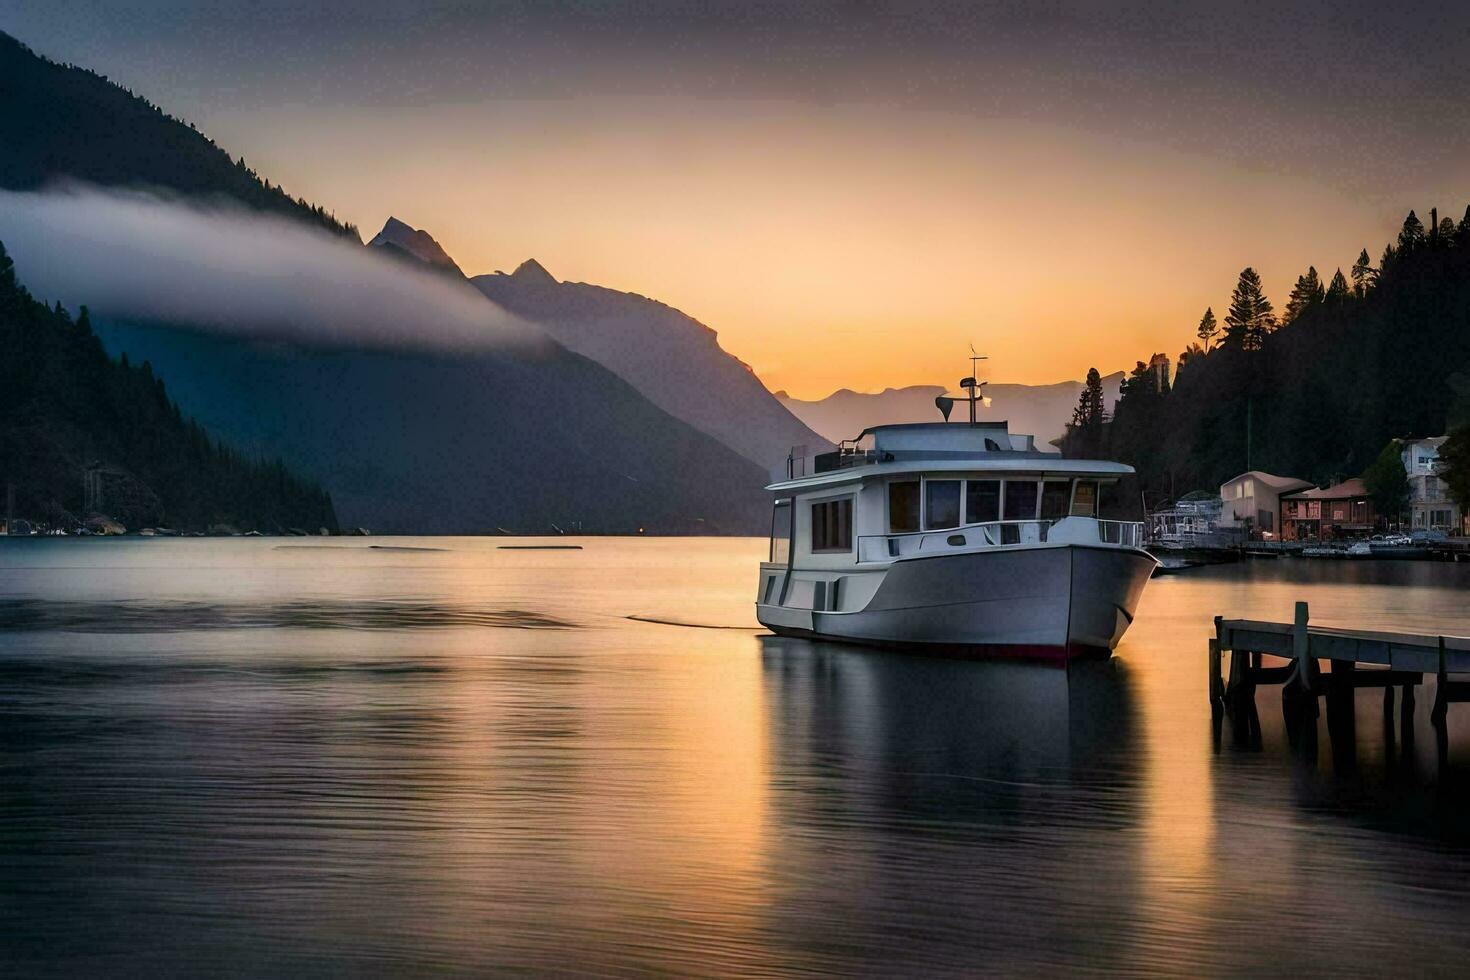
[{"x": 904, "y": 490}]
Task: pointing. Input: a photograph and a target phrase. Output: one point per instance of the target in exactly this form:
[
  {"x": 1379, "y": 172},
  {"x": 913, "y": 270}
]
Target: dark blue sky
[{"x": 1347, "y": 90}]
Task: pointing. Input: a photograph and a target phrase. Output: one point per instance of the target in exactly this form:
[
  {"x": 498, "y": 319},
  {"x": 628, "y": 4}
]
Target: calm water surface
[{"x": 276, "y": 758}]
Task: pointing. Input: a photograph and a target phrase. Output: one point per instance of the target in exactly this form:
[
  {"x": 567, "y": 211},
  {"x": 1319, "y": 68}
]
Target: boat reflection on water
[
  {"x": 958, "y": 715},
  {"x": 1009, "y": 794}
]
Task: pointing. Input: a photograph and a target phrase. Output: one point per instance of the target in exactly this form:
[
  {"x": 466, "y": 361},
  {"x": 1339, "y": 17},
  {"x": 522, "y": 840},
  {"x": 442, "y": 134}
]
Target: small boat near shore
[{"x": 952, "y": 537}]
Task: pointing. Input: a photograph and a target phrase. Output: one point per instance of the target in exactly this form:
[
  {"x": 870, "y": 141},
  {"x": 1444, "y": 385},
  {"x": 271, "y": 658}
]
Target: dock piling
[
  {"x": 1357, "y": 659},
  {"x": 1217, "y": 685},
  {"x": 1441, "y": 708},
  {"x": 1306, "y": 677}
]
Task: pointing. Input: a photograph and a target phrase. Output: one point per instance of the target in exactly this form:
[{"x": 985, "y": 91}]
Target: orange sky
[
  {"x": 834, "y": 246},
  {"x": 849, "y": 193}
]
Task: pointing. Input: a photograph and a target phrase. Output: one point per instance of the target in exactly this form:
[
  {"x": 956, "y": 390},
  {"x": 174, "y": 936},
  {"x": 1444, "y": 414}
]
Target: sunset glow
[
  {"x": 989, "y": 179},
  {"x": 935, "y": 231}
]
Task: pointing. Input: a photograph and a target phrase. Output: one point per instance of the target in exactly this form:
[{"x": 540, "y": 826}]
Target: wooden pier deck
[{"x": 1390, "y": 660}]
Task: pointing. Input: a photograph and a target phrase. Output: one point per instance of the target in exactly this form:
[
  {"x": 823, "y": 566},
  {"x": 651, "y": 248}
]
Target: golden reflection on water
[
  {"x": 543, "y": 782},
  {"x": 1179, "y": 846}
]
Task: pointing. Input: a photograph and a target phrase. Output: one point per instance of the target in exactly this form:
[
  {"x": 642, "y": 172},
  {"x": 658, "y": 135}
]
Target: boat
[
  {"x": 952, "y": 537},
  {"x": 1190, "y": 533}
]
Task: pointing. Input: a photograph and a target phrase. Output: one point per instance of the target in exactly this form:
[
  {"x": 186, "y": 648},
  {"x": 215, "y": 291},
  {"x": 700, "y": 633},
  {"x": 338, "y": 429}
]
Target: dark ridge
[
  {"x": 65, "y": 122},
  {"x": 67, "y": 409}
]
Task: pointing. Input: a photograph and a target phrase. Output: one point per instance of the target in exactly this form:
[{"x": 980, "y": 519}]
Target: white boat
[{"x": 952, "y": 537}]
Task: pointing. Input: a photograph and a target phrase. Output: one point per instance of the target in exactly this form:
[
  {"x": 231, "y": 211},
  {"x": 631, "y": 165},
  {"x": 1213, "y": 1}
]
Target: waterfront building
[
  {"x": 1430, "y": 504},
  {"x": 1344, "y": 510},
  {"x": 1192, "y": 522},
  {"x": 1252, "y": 501}
]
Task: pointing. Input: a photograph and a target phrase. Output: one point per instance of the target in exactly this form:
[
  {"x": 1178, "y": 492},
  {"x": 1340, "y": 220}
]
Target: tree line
[
  {"x": 1319, "y": 391},
  {"x": 66, "y": 407}
]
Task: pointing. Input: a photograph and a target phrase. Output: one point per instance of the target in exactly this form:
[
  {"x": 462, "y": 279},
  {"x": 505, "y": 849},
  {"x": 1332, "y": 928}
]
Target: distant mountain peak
[
  {"x": 1039, "y": 410},
  {"x": 672, "y": 358},
  {"x": 417, "y": 243},
  {"x": 533, "y": 271}
]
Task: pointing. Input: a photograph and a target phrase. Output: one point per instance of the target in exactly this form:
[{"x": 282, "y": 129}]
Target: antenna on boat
[{"x": 974, "y": 390}]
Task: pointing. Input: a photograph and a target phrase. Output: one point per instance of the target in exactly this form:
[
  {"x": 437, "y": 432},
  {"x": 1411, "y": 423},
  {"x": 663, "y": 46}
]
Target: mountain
[
  {"x": 412, "y": 442},
  {"x": 67, "y": 409},
  {"x": 1039, "y": 410},
  {"x": 61, "y": 122},
  {"x": 414, "y": 244},
  {"x": 673, "y": 359},
  {"x": 459, "y": 443}
]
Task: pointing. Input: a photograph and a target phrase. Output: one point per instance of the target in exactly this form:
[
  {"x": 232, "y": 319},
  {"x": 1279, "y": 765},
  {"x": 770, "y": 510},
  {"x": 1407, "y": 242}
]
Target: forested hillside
[
  {"x": 1381, "y": 352},
  {"x": 65, "y": 407},
  {"x": 446, "y": 442},
  {"x": 61, "y": 121}
]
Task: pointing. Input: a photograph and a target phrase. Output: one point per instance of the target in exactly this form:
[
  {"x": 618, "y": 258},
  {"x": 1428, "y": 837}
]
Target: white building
[
  {"x": 1430, "y": 504},
  {"x": 1253, "y": 501}
]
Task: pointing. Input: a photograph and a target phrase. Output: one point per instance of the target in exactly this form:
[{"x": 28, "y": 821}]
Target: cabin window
[
  {"x": 1084, "y": 501},
  {"x": 1020, "y": 500},
  {"x": 832, "y": 525},
  {"x": 1056, "y": 497},
  {"x": 982, "y": 501},
  {"x": 903, "y": 506},
  {"x": 941, "y": 503},
  {"x": 781, "y": 533}
]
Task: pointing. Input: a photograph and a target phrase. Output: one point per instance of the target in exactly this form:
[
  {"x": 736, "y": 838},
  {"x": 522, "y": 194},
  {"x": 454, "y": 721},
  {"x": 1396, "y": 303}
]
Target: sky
[{"x": 850, "y": 193}]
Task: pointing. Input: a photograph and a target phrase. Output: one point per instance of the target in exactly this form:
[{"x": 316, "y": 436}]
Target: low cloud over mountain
[{"x": 221, "y": 267}]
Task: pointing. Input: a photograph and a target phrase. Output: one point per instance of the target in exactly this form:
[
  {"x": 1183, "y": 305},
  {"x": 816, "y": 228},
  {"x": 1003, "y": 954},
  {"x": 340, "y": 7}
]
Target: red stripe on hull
[{"x": 1035, "y": 653}]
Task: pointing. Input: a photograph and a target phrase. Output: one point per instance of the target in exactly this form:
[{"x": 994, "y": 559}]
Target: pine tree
[
  {"x": 1306, "y": 294},
  {"x": 1250, "y": 316},
  {"x": 1337, "y": 290},
  {"x": 1090, "y": 408},
  {"x": 1208, "y": 328},
  {"x": 1089, "y": 416},
  {"x": 1365, "y": 276},
  {"x": 1411, "y": 236},
  {"x": 1446, "y": 230}
]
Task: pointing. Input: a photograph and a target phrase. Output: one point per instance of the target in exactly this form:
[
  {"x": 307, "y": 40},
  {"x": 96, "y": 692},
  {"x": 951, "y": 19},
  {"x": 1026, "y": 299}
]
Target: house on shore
[
  {"x": 1252, "y": 501},
  {"x": 1344, "y": 510},
  {"x": 1430, "y": 504}
]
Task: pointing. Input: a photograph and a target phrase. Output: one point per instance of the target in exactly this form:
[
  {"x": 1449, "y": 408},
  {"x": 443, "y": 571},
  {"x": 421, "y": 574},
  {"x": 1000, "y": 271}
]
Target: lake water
[{"x": 269, "y": 756}]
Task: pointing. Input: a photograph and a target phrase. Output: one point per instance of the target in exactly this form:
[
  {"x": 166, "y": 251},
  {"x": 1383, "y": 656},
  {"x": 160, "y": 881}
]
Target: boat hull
[{"x": 1048, "y": 603}]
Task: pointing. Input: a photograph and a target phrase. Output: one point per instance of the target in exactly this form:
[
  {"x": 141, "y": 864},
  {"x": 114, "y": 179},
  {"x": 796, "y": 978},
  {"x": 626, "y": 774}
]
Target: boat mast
[{"x": 971, "y": 386}]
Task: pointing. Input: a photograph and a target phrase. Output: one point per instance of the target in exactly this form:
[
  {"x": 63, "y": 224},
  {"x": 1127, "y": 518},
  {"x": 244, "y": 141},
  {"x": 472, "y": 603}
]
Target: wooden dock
[{"x": 1388, "y": 660}]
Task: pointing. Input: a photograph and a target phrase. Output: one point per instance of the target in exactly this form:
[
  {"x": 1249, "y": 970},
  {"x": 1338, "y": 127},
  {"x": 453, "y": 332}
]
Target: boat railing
[
  {"x": 1127, "y": 534},
  {"x": 883, "y": 547},
  {"x": 848, "y": 454}
]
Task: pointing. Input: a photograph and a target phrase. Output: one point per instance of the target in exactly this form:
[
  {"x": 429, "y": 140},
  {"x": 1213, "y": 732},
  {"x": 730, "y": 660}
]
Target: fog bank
[{"x": 218, "y": 266}]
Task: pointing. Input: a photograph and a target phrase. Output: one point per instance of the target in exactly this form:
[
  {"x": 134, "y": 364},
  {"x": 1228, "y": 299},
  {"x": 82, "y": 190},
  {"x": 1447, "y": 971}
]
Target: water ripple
[{"x": 34, "y": 615}]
